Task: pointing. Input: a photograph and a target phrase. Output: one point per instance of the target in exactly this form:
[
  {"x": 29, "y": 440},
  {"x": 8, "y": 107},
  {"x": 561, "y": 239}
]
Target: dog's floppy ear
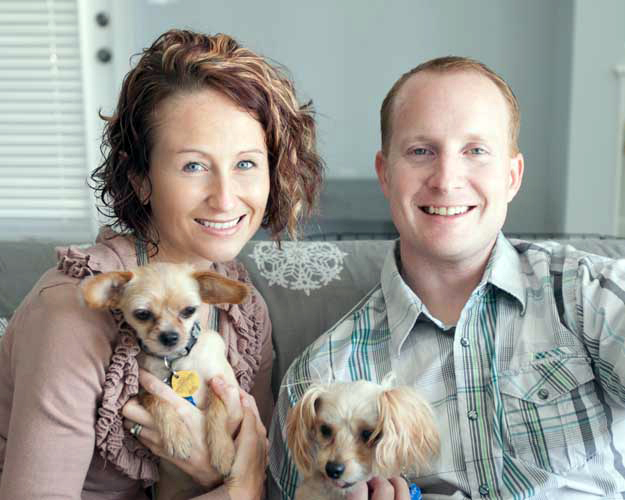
[
  {"x": 300, "y": 422},
  {"x": 408, "y": 433},
  {"x": 103, "y": 291},
  {"x": 216, "y": 289}
]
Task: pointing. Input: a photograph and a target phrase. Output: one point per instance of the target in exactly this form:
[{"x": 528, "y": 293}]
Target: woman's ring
[{"x": 135, "y": 430}]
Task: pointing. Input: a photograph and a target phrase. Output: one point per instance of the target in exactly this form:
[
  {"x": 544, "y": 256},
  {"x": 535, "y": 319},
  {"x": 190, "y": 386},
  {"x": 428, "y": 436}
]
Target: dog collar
[{"x": 195, "y": 333}]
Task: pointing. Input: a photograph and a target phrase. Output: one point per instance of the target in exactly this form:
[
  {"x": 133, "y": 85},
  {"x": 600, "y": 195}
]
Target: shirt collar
[
  {"x": 403, "y": 307},
  {"x": 504, "y": 270}
]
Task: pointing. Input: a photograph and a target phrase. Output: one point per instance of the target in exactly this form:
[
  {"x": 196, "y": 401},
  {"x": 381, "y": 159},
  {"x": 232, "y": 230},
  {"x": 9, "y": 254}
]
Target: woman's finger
[
  {"x": 148, "y": 436},
  {"x": 359, "y": 491},
  {"x": 133, "y": 410},
  {"x": 402, "y": 491}
]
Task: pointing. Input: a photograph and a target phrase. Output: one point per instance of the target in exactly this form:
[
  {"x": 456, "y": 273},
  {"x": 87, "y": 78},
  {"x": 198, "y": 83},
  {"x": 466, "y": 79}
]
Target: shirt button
[
  {"x": 483, "y": 489},
  {"x": 472, "y": 415},
  {"x": 464, "y": 342},
  {"x": 543, "y": 394}
]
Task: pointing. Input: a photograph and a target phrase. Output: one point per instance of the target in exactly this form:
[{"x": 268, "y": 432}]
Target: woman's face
[{"x": 209, "y": 176}]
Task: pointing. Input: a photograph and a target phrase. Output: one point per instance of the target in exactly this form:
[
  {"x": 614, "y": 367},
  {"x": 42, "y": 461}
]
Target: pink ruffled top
[{"x": 244, "y": 328}]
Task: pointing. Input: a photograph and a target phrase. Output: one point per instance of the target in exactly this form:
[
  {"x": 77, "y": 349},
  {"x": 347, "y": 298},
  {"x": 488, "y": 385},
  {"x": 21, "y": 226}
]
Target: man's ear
[
  {"x": 381, "y": 168},
  {"x": 141, "y": 187},
  {"x": 515, "y": 175}
]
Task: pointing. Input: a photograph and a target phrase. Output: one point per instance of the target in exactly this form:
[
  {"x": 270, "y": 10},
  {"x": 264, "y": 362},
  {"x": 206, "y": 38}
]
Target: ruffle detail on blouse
[
  {"x": 247, "y": 318},
  {"x": 74, "y": 263},
  {"x": 121, "y": 382}
]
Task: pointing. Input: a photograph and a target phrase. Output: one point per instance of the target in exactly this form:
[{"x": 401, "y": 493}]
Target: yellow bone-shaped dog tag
[{"x": 185, "y": 383}]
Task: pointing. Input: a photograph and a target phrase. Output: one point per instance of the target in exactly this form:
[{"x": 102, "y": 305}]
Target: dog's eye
[
  {"x": 326, "y": 431},
  {"x": 366, "y": 435},
  {"x": 187, "y": 312},
  {"x": 143, "y": 314}
]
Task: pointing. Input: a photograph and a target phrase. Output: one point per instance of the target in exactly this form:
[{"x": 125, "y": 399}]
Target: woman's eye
[
  {"x": 246, "y": 164},
  {"x": 193, "y": 167}
]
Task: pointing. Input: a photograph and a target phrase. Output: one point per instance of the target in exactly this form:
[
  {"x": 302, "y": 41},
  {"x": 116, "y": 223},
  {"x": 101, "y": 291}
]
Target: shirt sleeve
[
  {"x": 284, "y": 476},
  {"x": 598, "y": 316},
  {"x": 59, "y": 350}
]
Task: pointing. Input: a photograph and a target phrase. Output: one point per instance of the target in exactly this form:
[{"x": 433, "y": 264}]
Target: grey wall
[{"x": 345, "y": 55}]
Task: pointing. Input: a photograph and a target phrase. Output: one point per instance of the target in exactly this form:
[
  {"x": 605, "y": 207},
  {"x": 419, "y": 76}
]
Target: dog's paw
[
  {"x": 221, "y": 449},
  {"x": 177, "y": 440}
]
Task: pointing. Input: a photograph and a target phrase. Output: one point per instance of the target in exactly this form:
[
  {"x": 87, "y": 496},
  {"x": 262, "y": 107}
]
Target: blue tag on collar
[
  {"x": 415, "y": 491},
  {"x": 192, "y": 401}
]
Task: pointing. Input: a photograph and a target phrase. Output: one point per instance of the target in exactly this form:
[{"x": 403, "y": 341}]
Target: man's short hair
[{"x": 450, "y": 64}]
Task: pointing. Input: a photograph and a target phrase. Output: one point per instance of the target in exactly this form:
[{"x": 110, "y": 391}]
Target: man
[{"x": 518, "y": 348}]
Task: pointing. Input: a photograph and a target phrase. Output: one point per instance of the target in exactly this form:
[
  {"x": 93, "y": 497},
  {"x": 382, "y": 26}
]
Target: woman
[{"x": 207, "y": 144}]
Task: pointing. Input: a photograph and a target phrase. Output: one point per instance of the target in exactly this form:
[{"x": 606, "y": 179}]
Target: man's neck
[{"x": 443, "y": 286}]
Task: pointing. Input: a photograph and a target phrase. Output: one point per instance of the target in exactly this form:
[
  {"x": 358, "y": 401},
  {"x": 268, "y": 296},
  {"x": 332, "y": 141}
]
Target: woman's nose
[{"x": 221, "y": 194}]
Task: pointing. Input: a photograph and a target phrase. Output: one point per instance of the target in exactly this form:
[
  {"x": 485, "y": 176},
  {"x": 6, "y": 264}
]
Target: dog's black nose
[
  {"x": 334, "y": 470},
  {"x": 168, "y": 339}
]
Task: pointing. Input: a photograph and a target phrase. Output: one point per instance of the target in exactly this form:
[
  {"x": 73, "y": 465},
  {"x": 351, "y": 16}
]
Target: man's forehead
[{"x": 428, "y": 92}]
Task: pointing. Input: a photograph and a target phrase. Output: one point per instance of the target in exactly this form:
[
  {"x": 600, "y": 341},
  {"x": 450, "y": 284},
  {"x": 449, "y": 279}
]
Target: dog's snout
[
  {"x": 334, "y": 470},
  {"x": 168, "y": 339}
]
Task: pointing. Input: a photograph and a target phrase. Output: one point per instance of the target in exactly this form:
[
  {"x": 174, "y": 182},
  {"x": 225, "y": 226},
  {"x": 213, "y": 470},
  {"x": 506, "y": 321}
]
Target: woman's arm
[{"x": 58, "y": 354}]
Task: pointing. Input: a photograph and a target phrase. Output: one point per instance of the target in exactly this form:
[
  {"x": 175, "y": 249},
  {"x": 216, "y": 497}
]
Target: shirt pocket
[{"x": 554, "y": 419}]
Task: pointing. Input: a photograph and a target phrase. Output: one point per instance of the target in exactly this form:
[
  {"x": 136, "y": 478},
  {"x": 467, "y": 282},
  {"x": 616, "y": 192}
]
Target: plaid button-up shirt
[{"x": 528, "y": 388}]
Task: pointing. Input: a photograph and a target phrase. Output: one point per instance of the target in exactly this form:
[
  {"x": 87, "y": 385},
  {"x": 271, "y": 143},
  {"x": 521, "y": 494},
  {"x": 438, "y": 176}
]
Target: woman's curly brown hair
[{"x": 182, "y": 61}]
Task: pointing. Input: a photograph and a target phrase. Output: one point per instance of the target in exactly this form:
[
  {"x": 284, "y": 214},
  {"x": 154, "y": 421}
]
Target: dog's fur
[
  {"x": 362, "y": 430},
  {"x": 169, "y": 296}
]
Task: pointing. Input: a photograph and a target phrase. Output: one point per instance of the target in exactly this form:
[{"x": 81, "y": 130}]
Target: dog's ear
[
  {"x": 103, "y": 291},
  {"x": 409, "y": 437},
  {"x": 300, "y": 431},
  {"x": 215, "y": 289}
]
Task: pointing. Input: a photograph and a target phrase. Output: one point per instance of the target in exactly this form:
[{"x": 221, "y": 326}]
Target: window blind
[{"x": 43, "y": 164}]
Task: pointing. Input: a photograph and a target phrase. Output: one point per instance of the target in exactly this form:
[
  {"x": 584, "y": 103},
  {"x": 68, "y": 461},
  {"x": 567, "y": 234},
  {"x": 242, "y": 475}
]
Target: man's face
[{"x": 448, "y": 173}]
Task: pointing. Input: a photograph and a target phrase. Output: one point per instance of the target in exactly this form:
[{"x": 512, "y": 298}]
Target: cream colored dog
[
  {"x": 161, "y": 302},
  {"x": 343, "y": 433}
]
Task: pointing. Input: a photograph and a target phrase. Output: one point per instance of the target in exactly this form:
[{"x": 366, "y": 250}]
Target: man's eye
[
  {"x": 246, "y": 164},
  {"x": 420, "y": 151},
  {"x": 477, "y": 151},
  {"x": 193, "y": 167},
  {"x": 187, "y": 312},
  {"x": 326, "y": 431},
  {"x": 143, "y": 314}
]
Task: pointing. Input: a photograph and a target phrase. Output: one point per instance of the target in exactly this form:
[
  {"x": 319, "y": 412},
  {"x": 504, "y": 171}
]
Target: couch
[{"x": 308, "y": 285}]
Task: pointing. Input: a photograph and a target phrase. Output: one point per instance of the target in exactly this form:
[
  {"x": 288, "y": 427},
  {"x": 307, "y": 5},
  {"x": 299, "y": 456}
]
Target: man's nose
[{"x": 447, "y": 174}]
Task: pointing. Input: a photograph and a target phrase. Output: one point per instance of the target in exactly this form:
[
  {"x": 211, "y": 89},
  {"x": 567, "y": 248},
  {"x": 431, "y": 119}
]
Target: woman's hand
[
  {"x": 377, "y": 488},
  {"x": 247, "y": 477},
  {"x": 198, "y": 464}
]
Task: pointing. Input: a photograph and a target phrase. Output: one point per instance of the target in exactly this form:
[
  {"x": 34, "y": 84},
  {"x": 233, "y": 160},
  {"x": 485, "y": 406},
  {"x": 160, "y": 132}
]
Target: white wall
[
  {"x": 345, "y": 56},
  {"x": 594, "y": 143}
]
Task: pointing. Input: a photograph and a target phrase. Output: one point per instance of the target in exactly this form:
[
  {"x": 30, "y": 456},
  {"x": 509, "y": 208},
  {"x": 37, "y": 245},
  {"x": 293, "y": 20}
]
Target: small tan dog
[
  {"x": 161, "y": 302},
  {"x": 343, "y": 433}
]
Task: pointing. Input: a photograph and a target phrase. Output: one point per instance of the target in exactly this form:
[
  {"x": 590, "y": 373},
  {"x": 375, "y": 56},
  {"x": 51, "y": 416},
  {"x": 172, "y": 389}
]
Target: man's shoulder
[
  {"x": 558, "y": 255},
  {"x": 364, "y": 326}
]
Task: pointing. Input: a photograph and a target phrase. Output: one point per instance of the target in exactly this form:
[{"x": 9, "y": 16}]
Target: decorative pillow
[{"x": 309, "y": 286}]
